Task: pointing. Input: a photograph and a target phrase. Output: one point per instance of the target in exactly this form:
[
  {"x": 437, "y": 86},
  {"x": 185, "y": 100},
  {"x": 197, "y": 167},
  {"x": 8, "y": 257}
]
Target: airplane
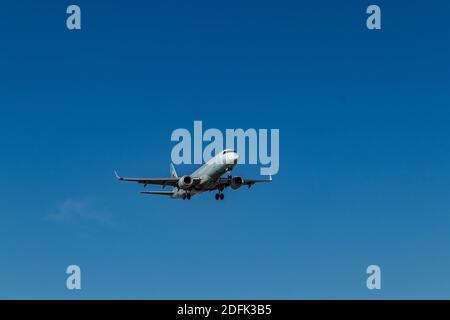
[{"x": 206, "y": 178}]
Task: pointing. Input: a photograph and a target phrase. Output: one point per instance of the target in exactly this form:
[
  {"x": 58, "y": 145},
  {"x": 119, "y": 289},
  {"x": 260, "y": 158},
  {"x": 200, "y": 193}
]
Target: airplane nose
[{"x": 231, "y": 158}]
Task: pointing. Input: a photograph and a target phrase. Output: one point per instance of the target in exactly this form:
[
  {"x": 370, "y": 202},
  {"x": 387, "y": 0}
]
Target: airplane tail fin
[{"x": 173, "y": 172}]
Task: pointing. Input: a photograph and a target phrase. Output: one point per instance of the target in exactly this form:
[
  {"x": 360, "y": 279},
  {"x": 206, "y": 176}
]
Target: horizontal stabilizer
[{"x": 162, "y": 193}]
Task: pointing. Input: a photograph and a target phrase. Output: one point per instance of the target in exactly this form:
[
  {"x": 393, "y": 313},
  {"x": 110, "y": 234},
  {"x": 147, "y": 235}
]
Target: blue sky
[{"x": 364, "y": 149}]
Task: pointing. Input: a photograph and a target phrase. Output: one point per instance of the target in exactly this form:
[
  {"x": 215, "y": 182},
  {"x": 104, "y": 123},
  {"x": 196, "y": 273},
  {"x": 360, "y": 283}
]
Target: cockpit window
[{"x": 227, "y": 151}]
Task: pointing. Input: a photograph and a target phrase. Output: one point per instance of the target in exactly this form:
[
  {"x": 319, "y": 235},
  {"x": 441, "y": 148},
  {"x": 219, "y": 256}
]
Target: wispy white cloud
[{"x": 81, "y": 212}]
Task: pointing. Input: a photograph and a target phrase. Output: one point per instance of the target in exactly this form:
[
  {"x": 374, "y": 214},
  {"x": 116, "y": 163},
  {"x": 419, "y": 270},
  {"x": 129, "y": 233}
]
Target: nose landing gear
[{"x": 228, "y": 171}]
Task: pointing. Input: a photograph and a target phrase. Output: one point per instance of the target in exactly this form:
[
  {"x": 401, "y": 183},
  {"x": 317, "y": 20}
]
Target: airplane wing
[
  {"x": 247, "y": 182},
  {"x": 162, "y": 193},
  {"x": 158, "y": 181}
]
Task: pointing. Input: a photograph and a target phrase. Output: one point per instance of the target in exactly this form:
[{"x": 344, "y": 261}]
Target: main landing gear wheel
[
  {"x": 186, "y": 196},
  {"x": 220, "y": 196}
]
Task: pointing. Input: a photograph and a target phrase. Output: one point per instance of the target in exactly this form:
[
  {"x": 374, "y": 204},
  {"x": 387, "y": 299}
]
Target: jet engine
[
  {"x": 185, "y": 182},
  {"x": 236, "y": 182}
]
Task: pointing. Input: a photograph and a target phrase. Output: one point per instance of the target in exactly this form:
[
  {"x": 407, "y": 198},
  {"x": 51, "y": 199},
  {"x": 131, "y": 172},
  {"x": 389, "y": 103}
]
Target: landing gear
[
  {"x": 228, "y": 171},
  {"x": 186, "y": 195},
  {"x": 220, "y": 196}
]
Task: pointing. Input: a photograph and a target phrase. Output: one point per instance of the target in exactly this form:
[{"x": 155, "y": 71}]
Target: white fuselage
[{"x": 210, "y": 173}]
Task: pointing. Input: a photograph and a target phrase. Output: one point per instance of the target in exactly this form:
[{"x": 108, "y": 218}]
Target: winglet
[{"x": 117, "y": 176}]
